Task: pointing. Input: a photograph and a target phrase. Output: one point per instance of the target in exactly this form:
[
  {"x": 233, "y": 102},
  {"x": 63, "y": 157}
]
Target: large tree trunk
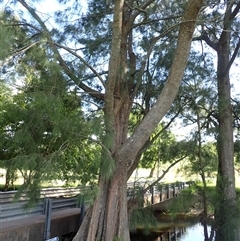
[
  {"x": 108, "y": 218},
  {"x": 226, "y": 221},
  {"x": 226, "y": 208},
  {"x": 226, "y": 213}
]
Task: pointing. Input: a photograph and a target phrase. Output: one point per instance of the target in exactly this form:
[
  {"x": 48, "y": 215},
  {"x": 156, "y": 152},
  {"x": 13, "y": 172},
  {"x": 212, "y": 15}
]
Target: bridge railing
[
  {"x": 11, "y": 209},
  {"x": 63, "y": 198},
  {"x": 157, "y": 193}
]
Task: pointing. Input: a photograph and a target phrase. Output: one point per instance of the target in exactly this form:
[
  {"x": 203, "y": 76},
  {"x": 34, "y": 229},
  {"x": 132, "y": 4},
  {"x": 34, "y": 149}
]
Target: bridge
[{"x": 60, "y": 211}]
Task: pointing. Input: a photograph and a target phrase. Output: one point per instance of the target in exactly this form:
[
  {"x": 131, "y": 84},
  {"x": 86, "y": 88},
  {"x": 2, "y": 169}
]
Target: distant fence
[{"x": 157, "y": 193}]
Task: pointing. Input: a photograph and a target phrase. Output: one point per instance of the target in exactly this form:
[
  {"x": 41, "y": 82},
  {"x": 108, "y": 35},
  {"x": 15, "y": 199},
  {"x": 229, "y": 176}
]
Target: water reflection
[
  {"x": 188, "y": 233},
  {"x": 195, "y": 233},
  {"x": 171, "y": 235}
]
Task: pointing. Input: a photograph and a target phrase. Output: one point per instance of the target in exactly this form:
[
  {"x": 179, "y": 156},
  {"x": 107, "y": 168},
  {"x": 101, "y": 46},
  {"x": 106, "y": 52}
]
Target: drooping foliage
[{"x": 44, "y": 134}]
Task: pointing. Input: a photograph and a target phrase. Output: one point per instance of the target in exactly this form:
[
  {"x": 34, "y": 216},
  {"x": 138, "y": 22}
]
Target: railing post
[
  {"x": 83, "y": 208},
  {"x": 168, "y": 191},
  {"x": 177, "y": 188},
  {"x": 179, "y": 185},
  {"x": 48, "y": 216},
  {"x": 174, "y": 189},
  {"x": 152, "y": 195},
  {"x": 142, "y": 196},
  {"x": 169, "y": 235},
  {"x": 161, "y": 192},
  {"x": 175, "y": 233}
]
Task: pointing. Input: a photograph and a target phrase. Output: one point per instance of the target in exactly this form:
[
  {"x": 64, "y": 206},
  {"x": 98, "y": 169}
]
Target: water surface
[
  {"x": 193, "y": 233},
  {"x": 186, "y": 232}
]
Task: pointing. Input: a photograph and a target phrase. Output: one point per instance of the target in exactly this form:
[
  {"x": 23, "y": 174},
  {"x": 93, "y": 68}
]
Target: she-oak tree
[
  {"x": 226, "y": 43},
  {"x": 108, "y": 218}
]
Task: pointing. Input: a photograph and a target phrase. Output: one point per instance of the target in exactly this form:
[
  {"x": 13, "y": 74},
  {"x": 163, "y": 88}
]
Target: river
[
  {"x": 178, "y": 229},
  {"x": 193, "y": 232}
]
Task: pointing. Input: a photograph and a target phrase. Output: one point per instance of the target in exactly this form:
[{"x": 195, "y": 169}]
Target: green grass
[{"x": 11, "y": 188}]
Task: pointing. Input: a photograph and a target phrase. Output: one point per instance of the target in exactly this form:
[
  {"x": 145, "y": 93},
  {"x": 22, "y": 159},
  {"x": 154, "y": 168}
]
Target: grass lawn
[{"x": 141, "y": 174}]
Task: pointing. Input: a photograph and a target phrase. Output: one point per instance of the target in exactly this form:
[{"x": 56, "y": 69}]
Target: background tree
[
  {"x": 44, "y": 134},
  {"x": 225, "y": 41},
  {"x": 165, "y": 149},
  {"x": 236, "y": 118},
  {"x": 5, "y": 102}
]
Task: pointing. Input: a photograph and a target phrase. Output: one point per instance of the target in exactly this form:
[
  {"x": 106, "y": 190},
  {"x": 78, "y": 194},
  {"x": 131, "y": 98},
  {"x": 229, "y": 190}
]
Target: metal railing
[
  {"x": 63, "y": 198},
  {"x": 164, "y": 191},
  {"x": 11, "y": 209}
]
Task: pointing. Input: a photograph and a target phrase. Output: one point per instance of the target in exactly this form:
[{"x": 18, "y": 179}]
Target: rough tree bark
[
  {"x": 108, "y": 218},
  {"x": 226, "y": 209},
  {"x": 226, "y": 223}
]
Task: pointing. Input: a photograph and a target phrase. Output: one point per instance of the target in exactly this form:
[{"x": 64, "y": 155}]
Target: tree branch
[
  {"x": 24, "y": 24},
  {"x": 19, "y": 51},
  {"x": 234, "y": 12},
  {"x": 165, "y": 99},
  {"x": 59, "y": 57},
  {"x": 156, "y": 20},
  {"x": 114, "y": 67},
  {"x": 162, "y": 176},
  {"x": 153, "y": 42},
  {"x": 82, "y": 60},
  {"x": 147, "y": 144},
  {"x": 141, "y": 9},
  {"x": 233, "y": 56},
  {"x": 204, "y": 37}
]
